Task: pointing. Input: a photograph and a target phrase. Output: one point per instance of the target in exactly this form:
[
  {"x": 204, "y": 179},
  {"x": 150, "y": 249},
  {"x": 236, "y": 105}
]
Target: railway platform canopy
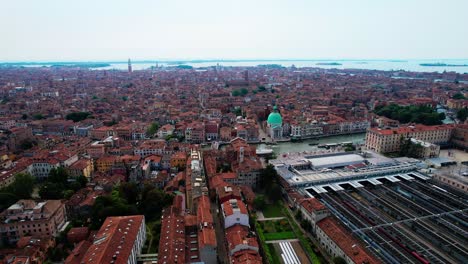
[{"x": 333, "y": 169}]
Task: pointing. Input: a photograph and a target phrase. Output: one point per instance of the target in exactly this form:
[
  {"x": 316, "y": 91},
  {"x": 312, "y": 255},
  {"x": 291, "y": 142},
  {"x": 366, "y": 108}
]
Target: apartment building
[
  {"x": 338, "y": 242},
  {"x": 389, "y": 140},
  {"x": 234, "y": 213},
  {"x": 119, "y": 240},
  {"x": 28, "y": 217}
]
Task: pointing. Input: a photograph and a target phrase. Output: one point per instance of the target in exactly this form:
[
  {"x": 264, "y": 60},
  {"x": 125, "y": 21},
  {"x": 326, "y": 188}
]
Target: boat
[
  {"x": 313, "y": 144},
  {"x": 264, "y": 151}
]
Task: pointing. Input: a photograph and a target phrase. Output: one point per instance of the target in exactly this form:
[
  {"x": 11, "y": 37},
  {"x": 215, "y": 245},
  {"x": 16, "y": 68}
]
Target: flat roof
[
  {"x": 331, "y": 161},
  {"x": 324, "y": 169}
]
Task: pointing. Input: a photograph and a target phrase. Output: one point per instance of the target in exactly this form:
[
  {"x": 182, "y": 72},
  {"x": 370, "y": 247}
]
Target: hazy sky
[{"x": 237, "y": 29}]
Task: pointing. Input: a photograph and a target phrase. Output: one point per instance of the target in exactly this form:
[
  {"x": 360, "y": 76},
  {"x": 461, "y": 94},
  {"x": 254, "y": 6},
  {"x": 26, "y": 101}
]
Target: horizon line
[{"x": 174, "y": 60}]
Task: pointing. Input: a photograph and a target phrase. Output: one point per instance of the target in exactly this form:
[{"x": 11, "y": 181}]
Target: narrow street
[{"x": 220, "y": 239}]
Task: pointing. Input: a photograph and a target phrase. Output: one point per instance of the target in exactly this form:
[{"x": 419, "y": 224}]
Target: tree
[
  {"x": 458, "y": 96},
  {"x": 244, "y": 91},
  {"x": 74, "y": 186},
  {"x": 27, "y": 144},
  {"x": 268, "y": 176},
  {"x": 105, "y": 206},
  {"x": 58, "y": 175},
  {"x": 274, "y": 192},
  {"x": 38, "y": 116},
  {"x": 7, "y": 199},
  {"x": 22, "y": 186},
  {"x": 462, "y": 114},
  {"x": 413, "y": 113},
  {"x": 82, "y": 180},
  {"x": 339, "y": 260},
  {"x": 410, "y": 149},
  {"x": 77, "y": 116},
  {"x": 129, "y": 191},
  {"x": 259, "y": 202},
  {"x": 152, "y": 129},
  {"x": 153, "y": 202},
  {"x": 236, "y": 93},
  {"x": 68, "y": 194},
  {"x": 51, "y": 191}
]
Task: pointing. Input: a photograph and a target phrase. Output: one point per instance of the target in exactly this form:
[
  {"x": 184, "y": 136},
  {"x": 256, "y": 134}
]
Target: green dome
[{"x": 274, "y": 117}]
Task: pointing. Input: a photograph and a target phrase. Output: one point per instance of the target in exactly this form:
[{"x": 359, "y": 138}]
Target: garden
[
  {"x": 277, "y": 230},
  {"x": 273, "y": 210}
]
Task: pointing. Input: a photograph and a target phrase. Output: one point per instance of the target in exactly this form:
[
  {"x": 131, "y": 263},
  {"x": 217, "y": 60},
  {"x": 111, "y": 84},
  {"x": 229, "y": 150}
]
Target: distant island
[
  {"x": 57, "y": 64},
  {"x": 438, "y": 64},
  {"x": 82, "y": 65},
  {"x": 329, "y": 63}
]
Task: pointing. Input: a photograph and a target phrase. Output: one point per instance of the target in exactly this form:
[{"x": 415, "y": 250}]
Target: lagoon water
[{"x": 385, "y": 65}]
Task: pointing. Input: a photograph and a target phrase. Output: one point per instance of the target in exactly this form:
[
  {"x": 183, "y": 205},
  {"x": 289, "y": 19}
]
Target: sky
[{"x": 93, "y": 30}]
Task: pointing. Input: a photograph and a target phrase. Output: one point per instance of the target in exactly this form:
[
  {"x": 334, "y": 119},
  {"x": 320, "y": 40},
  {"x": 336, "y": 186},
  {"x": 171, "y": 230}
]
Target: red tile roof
[
  {"x": 77, "y": 234},
  {"x": 239, "y": 235},
  {"x": 234, "y": 205},
  {"x": 172, "y": 238},
  {"x": 312, "y": 205},
  {"x": 345, "y": 240},
  {"x": 117, "y": 234},
  {"x": 246, "y": 257},
  {"x": 410, "y": 129},
  {"x": 206, "y": 234},
  {"x": 76, "y": 256}
]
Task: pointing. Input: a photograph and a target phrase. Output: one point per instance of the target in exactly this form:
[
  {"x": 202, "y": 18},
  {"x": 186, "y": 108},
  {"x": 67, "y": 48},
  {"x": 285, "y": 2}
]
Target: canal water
[{"x": 288, "y": 147}]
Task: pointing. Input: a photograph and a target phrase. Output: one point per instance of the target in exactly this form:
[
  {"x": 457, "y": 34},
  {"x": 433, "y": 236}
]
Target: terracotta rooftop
[
  {"x": 172, "y": 238},
  {"x": 239, "y": 235},
  {"x": 76, "y": 256},
  {"x": 114, "y": 240},
  {"x": 345, "y": 240},
  {"x": 232, "y": 206},
  {"x": 410, "y": 129},
  {"x": 312, "y": 204},
  {"x": 246, "y": 257}
]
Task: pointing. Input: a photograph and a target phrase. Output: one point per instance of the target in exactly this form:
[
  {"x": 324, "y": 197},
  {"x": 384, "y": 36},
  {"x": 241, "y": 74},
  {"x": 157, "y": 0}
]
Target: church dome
[{"x": 274, "y": 118}]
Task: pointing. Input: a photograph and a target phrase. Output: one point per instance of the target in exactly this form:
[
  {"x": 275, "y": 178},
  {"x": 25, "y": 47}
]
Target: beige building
[
  {"x": 453, "y": 180},
  {"x": 31, "y": 218},
  {"x": 428, "y": 150},
  {"x": 337, "y": 241},
  {"x": 388, "y": 140},
  {"x": 460, "y": 136},
  {"x": 82, "y": 167}
]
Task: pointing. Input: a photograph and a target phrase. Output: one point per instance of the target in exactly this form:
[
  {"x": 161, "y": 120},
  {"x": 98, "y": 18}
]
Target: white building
[{"x": 234, "y": 213}]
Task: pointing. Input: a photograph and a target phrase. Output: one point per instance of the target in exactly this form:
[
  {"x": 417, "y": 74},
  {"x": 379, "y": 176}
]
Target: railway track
[
  {"x": 412, "y": 241},
  {"x": 446, "y": 240}
]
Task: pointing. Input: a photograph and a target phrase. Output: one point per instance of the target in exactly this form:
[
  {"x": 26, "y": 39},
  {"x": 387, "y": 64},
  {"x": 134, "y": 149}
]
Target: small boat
[
  {"x": 313, "y": 144},
  {"x": 264, "y": 151}
]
